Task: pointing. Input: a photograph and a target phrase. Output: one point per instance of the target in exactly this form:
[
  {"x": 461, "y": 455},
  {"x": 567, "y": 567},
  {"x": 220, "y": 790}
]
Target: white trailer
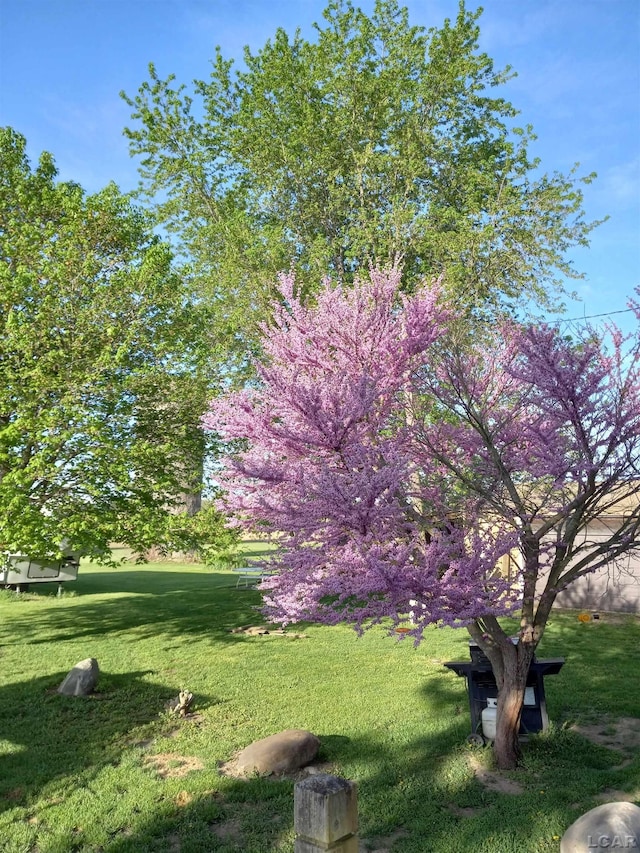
[{"x": 18, "y": 571}]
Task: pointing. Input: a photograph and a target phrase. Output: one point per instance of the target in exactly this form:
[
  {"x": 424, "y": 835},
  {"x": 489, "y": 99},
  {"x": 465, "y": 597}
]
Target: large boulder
[
  {"x": 280, "y": 753},
  {"x": 82, "y": 679},
  {"x": 613, "y": 826}
]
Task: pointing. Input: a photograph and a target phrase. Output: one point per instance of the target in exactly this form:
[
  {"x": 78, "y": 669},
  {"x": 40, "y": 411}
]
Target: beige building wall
[{"x": 615, "y": 588}]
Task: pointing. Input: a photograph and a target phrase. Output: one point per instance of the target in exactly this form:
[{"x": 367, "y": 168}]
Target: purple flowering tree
[{"x": 396, "y": 462}]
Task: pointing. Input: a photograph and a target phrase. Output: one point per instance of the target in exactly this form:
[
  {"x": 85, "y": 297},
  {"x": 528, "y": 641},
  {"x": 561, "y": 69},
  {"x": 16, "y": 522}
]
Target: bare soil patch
[
  {"x": 465, "y": 811},
  {"x": 622, "y": 734},
  {"x": 170, "y": 765},
  {"x": 229, "y": 768},
  {"x": 613, "y": 795},
  {"x": 229, "y": 830},
  {"x": 192, "y": 717},
  {"x": 493, "y": 780},
  {"x": 382, "y": 844}
]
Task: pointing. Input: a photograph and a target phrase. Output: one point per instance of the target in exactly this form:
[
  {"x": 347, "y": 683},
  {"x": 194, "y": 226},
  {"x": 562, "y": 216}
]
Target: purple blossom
[{"x": 394, "y": 469}]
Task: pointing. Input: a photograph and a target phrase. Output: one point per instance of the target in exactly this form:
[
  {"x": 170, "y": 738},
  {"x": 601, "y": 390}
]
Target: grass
[{"x": 116, "y": 773}]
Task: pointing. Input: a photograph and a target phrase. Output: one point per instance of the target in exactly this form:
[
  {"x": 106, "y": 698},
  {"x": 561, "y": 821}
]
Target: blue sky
[{"x": 63, "y": 63}]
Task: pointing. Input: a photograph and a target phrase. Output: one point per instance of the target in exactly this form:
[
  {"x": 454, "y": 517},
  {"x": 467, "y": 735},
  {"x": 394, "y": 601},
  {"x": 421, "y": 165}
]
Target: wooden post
[{"x": 325, "y": 815}]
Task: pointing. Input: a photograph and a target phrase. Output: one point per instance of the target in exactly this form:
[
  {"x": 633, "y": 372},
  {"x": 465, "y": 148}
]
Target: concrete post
[{"x": 325, "y": 815}]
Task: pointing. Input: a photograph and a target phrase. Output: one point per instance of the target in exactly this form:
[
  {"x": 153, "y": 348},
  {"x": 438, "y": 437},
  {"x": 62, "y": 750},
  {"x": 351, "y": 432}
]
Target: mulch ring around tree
[{"x": 264, "y": 630}]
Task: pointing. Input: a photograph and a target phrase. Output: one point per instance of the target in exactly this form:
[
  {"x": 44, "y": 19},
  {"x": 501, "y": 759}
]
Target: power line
[{"x": 593, "y": 316}]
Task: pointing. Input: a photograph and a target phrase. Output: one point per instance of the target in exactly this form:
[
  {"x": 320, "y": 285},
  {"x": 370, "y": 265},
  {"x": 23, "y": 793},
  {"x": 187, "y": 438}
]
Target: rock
[
  {"x": 182, "y": 703},
  {"x": 82, "y": 679},
  {"x": 280, "y": 753},
  {"x": 613, "y": 826}
]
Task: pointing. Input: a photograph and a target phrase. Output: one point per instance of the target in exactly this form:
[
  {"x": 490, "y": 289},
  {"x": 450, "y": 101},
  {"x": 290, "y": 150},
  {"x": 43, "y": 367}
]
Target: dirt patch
[
  {"x": 493, "y": 780},
  {"x": 382, "y": 844},
  {"x": 228, "y": 831},
  {"x": 170, "y": 765},
  {"x": 612, "y": 795},
  {"x": 466, "y": 811},
  {"x": 192, "y": 717},
  {"x": 229, "y": 768},
  {"x": 195, "y": 719},
  {"x": 622, "y": 734}
]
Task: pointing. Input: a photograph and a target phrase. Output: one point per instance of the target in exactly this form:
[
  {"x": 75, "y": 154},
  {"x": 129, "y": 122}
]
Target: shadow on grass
[
  {"x": 49, "y": 737},
  {"x": 416, "y": 794},
  {"x": 413, "y": 796},
  {"x": 256, "y": 815},
  {"x": 201, "y": 604}
]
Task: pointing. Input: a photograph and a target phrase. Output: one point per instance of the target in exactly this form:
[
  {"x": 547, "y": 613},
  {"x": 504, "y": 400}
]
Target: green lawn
[{"x": 103, "y": 773}]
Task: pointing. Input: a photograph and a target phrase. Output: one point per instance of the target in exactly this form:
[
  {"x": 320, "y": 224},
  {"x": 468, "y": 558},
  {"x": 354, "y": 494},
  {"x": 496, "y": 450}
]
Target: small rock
[
  {"x": 613, "y": 826},
  {"x": 82, "y": 679},
  {"x": 181, "y": 704},
  {"x": 280, "y": 753}
]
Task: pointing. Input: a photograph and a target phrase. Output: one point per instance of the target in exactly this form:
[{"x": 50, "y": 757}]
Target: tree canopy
[
  {"x": 99, "y": 398},
  {"x": 375, "y": 142},
  {"x": 396, "y": 463}
]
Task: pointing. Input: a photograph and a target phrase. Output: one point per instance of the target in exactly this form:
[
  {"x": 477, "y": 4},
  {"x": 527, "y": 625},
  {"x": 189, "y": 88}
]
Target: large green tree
[
  {"x": 100, "y": 393},
  {"x": 376, "y": 142}
]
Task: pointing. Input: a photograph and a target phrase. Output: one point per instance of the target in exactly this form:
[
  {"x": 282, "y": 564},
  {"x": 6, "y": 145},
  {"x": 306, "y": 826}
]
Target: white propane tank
[{"x": 489, "y": 715}]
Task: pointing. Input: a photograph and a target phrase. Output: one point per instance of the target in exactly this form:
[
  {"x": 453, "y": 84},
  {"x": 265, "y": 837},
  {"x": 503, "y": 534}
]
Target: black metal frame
[{"x": 481, "y": 685}]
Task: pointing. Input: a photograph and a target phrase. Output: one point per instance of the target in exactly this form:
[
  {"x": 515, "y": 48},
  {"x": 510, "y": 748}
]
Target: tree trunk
[
  {"x": 506, "y": 746},
  {"x": 190, "y": 502},
  {"x": 510, "y": 664},
  {"x": 191, "y": 466}
]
